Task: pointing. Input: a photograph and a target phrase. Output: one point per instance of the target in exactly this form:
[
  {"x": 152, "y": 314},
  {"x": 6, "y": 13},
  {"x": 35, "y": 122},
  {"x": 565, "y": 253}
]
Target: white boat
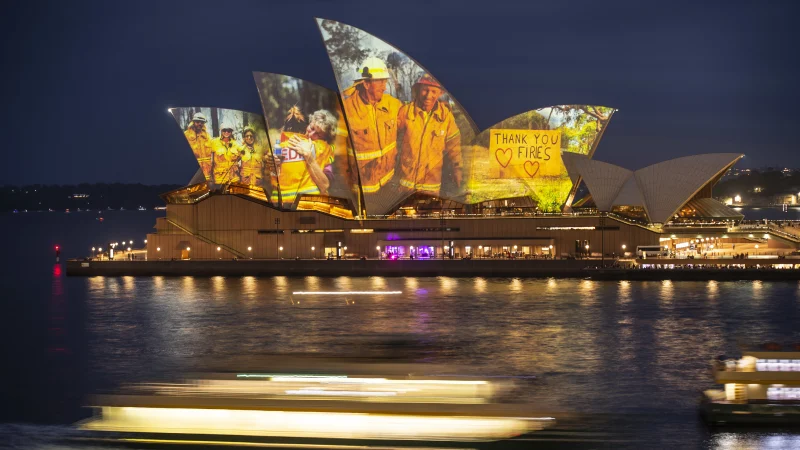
[
  {"x": 761, "y": 387},
  {"x": 328, "y": 407}
]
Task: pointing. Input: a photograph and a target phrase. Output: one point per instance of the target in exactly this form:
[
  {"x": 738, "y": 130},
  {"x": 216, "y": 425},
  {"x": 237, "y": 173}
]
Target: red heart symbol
[
  {"x": 503, "y": 152},
  {"x": 533, "y": 170}
]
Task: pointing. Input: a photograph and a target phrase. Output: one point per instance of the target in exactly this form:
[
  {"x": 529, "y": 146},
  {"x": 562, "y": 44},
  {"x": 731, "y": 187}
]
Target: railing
[{"x": 205, "y": 239}]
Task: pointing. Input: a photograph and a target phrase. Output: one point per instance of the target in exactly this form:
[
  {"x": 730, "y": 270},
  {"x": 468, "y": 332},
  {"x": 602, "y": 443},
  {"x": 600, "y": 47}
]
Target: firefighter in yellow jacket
[
  {"x": 306, "y": 167},
  {"x": 200, "y": 141},
  {"x": 427, "y": 135},
  {"x": 226, "y": 157},
  {"x": 252, "y": 170},
  {"x": 372, "y": 118}
]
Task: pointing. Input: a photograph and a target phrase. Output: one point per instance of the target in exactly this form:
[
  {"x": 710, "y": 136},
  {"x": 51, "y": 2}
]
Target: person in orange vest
[
  {"x": 225, "y": 157},
  {"x": 307, "y": 164},
  {"x": 252, "y": 159},
  {"x": 427, "y": 133},
  {"x": 200, "y": 141},
  {"x": 372, "y": 117}
]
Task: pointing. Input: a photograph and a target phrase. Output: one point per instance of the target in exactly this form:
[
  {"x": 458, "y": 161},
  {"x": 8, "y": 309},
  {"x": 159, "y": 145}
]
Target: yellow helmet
[{"x": 373, "y": 69}]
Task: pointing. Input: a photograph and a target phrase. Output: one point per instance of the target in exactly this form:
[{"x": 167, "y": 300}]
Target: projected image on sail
[{"x": 407, "y": 130}]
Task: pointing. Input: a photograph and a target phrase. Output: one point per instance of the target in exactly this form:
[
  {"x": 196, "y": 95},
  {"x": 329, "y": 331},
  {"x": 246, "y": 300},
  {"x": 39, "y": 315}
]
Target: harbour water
[{"x": 627, "y": 357}]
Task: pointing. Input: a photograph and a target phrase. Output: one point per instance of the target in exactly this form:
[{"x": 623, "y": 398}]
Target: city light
[
  {"x": 158, "y": 249},
  {"x": 145, "y": 241},
  {"x": 129, "y": 249},
  {"x": 624, "y": 247},
  {"x": 313, "y": 248},
  {"x": 249, "y": 249},
  {"x": 92, "y": 248},
  {"x": 280, "y": 249},
  {"x": 219, "y": 248},
  {"x": 188, "y": 249}
]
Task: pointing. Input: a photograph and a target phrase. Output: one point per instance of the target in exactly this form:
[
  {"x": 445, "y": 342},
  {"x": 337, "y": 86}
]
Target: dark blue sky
[{"x": 87, "y": 84}]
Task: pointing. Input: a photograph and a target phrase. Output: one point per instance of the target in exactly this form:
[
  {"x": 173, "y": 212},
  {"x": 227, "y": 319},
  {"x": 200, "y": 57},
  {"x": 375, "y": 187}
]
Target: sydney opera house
[{"x": 393, "y": 166}]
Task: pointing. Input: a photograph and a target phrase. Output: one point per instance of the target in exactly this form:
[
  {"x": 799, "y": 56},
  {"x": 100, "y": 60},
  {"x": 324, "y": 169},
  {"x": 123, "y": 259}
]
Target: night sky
[{"x": 87, "y": 84}]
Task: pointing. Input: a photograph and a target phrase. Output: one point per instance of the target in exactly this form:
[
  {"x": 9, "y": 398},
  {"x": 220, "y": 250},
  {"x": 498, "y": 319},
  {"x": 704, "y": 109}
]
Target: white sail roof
[
  {"x": 667, "y": 185},
  {"x": 603, "y": 179},
  {"x": 661, "y": 188}
]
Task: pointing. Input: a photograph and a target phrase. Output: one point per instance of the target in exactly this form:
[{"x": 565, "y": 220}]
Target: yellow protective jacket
[
  {"x": 425, "y": 139},
  {"x": 201, "y": 147},
  {"x": 252, "y": 165},
  {"x": 374, "y": 133},
  {"x": 225, "y": 160},
  {"x": 294, "y": 179}
]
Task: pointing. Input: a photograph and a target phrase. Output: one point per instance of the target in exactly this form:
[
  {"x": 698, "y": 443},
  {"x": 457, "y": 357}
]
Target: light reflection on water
[{"x": 594, "y": 347}]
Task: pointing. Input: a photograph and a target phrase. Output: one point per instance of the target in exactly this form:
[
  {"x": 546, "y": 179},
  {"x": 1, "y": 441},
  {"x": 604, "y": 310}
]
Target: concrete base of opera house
[{"x": 421, "y": 268}]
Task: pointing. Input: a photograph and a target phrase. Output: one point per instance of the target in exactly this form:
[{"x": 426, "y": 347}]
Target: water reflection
[
  {"x": 188, "y": 288},
  {"x": 218, "y": 286},
  {"x": 712, "y": 289},
  {"x": 411, "y": 284},
  {"x": 758, "y": 290},
  {"x": 515, "y": 286},
  {"x": 344, "y": 283},
  {"x": 751, "y": 441},
  {"x": 594, "y": 347},
  {"x": 667, "y": 291},
  {"x": 447, "y": 285},
  {"x": 480, "y": 285},
  {"x": 378, "y": 283},
  {"x": 249, "y": 288}
]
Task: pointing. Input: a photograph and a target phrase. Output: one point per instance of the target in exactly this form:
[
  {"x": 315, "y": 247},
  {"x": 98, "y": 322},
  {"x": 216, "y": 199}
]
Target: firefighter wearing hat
[
  {"x": 252, "y": 154},
  {"x": 428, "y": 135},
  {"x": 200, "y": 141},
  {"x": 226, "y": 158},
  {"x": 372, "y": 117}
]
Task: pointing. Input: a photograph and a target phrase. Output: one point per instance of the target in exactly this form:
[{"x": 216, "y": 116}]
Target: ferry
[
  {"x": 761, "y": 387},
  {"x": 339, "y": 405}
]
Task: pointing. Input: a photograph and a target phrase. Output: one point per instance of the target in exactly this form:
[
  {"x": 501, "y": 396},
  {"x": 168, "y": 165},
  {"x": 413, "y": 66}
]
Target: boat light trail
[{"x": 347, "y": 293}]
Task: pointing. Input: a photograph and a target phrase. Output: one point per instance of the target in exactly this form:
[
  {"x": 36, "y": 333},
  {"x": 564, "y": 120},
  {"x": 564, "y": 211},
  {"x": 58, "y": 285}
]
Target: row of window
[{"x": 778, "y": 365}]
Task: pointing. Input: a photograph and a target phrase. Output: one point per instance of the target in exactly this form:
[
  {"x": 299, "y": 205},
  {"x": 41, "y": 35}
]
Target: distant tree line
[
  {"x": 38, "y": 197},
  {"x": 771, "y": 181}
]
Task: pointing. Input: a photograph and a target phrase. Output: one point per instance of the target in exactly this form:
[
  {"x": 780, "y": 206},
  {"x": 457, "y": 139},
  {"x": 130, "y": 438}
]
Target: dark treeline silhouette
[
  {"x": 771, "y": 182},
  {"x": 39, "y": 197}
]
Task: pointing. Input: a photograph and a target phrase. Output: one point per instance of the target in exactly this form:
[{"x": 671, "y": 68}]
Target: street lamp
[
  {"x": 158, "y": 249},
  {"x": 756, "y": 246},
  {"x": 249, "y": 249},
  {"x": 219, "y": 248},
  {"x": 92, "y": 248},
  {"x": 188, "y": 249},
  {"x": 145, "y": 241},
  {"x": 129, "y": 249}
]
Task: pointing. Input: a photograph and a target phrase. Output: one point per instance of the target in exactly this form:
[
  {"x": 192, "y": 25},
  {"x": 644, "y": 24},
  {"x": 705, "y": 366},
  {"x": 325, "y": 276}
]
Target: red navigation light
[{"x": 57, "y": 248}]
